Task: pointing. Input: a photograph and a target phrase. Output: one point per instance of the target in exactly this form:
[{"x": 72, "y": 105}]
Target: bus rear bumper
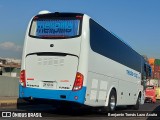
[{"x": 57, "y": 95}]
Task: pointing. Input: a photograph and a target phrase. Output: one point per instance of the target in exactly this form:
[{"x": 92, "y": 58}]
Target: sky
[{"x": 137, "y": 22}]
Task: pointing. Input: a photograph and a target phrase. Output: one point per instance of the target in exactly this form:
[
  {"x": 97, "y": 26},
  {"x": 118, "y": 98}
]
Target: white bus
[{"x": 68, "y": 57}]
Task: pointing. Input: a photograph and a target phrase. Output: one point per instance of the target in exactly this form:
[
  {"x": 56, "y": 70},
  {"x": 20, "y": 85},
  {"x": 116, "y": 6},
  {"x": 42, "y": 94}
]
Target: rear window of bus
[{"x": 55, "y": 27}]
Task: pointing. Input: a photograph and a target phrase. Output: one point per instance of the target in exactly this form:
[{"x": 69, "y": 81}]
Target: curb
[
  {"x": 5, "y": 103},
  {"x": 16, "y": 102}
]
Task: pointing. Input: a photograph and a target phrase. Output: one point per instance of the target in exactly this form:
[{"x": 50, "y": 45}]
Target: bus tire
[
  {"x": 112, "y": 101},
  {"x": 136, "y": 106}
]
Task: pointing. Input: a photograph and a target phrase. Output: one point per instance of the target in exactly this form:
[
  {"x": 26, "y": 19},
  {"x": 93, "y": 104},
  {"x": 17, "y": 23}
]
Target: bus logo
[{"x": 131, "y": 73}]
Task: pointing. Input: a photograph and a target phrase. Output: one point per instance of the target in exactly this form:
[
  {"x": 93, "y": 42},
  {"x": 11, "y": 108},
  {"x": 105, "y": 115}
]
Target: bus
[{"x": 68, "y": 57}]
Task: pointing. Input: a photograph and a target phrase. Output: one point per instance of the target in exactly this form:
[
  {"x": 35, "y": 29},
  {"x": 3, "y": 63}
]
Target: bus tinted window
[
  {"x": 106, "y": 44},
  {"x": 55, "y": 28}
]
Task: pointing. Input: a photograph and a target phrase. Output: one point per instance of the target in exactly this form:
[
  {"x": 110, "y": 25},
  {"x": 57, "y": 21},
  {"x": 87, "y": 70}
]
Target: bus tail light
[
  {"x": 23, "y": 78},
  {"x": 79, "y": 17},
  {"x": 78, "y": 82}
]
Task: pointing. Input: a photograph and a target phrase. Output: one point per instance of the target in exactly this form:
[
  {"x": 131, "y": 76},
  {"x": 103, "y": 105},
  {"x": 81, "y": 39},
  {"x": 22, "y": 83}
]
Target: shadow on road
[
  {"x": 156, "y": 111},
  {"x": 48, "y": 110}
]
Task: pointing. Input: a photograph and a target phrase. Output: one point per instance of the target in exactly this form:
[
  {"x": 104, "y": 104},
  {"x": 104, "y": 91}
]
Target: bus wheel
[
  {"x": 136, "y": 106},
  {"x": 112, "y": 101}
]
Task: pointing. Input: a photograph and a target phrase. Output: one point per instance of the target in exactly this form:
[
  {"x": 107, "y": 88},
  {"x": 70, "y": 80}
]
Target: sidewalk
[{"x": 8, "y": 101}]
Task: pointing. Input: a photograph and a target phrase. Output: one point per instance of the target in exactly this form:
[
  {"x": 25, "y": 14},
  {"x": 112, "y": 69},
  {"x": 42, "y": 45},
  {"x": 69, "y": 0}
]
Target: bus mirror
[
  {"x": 145, "y": 68},
  {"x": 150, "y": 72}
]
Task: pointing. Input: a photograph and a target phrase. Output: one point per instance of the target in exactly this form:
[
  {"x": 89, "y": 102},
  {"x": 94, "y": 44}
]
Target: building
[
  {"x": 10, "y": 67},
  {"x": 3, "y": 61},
  {"x": 155, "y": 65}
]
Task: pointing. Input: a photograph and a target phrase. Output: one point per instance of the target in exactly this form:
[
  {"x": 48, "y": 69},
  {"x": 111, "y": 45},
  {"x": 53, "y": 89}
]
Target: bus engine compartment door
[{"x": 51, "y": 72}]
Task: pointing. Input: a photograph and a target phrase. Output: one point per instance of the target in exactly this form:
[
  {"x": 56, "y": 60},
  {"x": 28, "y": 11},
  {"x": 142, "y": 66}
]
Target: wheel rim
[{"x": 112, "y": 102}]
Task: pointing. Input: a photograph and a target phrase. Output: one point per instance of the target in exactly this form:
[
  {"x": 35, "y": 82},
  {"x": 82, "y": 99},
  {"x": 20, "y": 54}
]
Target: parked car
[{"x": 150, "y": 94}]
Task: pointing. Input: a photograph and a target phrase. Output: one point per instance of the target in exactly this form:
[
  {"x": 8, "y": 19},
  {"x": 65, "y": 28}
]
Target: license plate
[{"x": 48, "y": 84}]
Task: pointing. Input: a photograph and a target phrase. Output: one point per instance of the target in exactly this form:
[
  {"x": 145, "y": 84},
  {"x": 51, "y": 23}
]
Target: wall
[{"x": 9, "y": 86}]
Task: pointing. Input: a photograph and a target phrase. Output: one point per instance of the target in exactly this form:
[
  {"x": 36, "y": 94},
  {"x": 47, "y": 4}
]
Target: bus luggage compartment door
[{"x": 51, "y": 72}]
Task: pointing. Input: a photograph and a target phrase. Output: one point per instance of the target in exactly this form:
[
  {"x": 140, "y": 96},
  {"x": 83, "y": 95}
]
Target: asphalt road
[{"x": 146, "y": 112}]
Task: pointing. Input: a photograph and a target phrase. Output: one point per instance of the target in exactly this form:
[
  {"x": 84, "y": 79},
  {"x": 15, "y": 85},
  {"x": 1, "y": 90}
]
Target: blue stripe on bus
[{"x": 25, "y": 92}]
